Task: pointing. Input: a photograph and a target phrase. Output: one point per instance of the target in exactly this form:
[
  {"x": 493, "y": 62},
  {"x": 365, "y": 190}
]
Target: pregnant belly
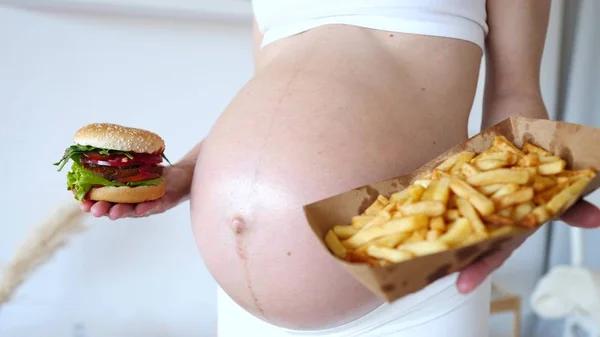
[{"x": 289, "y": 138}]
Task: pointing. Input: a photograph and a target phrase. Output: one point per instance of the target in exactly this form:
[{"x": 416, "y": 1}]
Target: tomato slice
[
  {"x": 98, "y": 156},
  {"x": 139, "y": 177}
]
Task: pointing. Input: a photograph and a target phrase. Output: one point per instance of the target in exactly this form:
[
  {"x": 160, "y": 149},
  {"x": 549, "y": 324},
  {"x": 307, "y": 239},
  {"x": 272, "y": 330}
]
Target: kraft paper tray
[{"x": 578, "y": 145}]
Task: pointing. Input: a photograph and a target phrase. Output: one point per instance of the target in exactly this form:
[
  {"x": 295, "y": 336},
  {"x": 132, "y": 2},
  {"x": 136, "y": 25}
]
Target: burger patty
[{"x": 114, "y": 173}]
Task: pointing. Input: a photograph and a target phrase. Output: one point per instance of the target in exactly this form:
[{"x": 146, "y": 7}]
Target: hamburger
[{"x": 115, "y": 163}]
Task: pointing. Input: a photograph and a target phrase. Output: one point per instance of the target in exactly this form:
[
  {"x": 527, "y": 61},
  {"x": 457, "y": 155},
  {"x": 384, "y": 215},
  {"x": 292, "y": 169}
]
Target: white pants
[{"x": 438, "y": 310}]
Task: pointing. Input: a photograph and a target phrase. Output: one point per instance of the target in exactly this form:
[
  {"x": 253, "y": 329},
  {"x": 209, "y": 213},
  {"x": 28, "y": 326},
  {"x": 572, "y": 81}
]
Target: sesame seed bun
[
  {"x": 126, "y": 194},
  {"x": 118, "y": 137}
]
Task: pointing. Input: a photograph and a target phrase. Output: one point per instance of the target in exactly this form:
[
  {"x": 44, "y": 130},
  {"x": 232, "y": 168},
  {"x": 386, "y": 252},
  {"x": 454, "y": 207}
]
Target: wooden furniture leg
[{"x": 503, "y": 301}]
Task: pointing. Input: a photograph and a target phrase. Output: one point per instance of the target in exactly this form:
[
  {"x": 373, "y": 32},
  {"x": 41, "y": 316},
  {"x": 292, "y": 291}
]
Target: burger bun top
[{"x": 121, "y": 138}]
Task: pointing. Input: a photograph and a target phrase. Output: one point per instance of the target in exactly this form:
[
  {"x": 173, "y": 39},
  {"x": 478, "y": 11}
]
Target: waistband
[
  {"x": 405, "y": 20},
  {"x": 434, "y": 301}
]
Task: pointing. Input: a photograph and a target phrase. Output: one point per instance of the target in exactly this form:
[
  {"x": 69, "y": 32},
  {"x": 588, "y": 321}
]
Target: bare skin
[{"x": 329, "y": 110}]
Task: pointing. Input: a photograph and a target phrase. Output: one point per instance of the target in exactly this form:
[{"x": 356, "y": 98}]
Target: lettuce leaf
[
  {"x": 81, "y": 181},
  {"x": 75, "y": 152}
]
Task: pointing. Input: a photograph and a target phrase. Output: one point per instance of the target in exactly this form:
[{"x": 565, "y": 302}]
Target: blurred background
[{"x": 171, "y": 67}]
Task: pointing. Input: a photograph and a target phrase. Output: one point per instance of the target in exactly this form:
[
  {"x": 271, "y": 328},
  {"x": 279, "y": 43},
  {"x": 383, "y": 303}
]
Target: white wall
[{"x": 60, "y": 71}]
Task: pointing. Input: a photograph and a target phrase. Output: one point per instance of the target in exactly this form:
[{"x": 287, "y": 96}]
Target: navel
[{"x": 238, "y": 226}]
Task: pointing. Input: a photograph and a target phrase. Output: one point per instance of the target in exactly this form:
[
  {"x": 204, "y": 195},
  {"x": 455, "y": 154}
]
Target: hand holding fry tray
[{"x": 480, "y": 196}]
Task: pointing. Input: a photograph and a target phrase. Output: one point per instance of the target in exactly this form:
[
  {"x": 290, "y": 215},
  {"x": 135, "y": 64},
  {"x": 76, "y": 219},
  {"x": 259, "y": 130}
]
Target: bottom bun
[{"x": 126, "y": 194}]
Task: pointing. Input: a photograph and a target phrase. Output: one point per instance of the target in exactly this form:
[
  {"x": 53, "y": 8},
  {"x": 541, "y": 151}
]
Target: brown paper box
[{"x": 579, "y": 145}]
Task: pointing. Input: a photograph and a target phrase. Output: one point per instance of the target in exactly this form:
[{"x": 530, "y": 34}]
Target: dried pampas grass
[{"x": 41, "y": 245}]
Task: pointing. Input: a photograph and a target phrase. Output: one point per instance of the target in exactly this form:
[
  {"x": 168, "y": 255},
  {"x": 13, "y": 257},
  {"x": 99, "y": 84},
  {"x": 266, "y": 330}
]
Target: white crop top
[{"x": 460, "y": 19}]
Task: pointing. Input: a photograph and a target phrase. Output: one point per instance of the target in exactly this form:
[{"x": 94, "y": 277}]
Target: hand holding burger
[{"x": 117, "y": 171}]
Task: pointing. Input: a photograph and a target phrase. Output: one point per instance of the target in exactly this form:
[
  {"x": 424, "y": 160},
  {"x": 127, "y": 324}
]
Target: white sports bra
[{"x": 460, "y": 19}]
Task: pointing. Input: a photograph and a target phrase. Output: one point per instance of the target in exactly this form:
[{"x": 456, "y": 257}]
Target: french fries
[
  {"x": 530, "y": 148},
  {"x": 469, "y": 170},
  {"x": 438, "y": 224},
  {"x": 462, "y": 157},
  {"x": 407, "y": 224},
  {"x": 457, "y": 232},
  {"x": 377, "y": 206},
  {"x": 499, "y": 176},
  {"x": 430, "y": 208},
  {"x": 484, "y": 205},
  {"x": 335, "y": 245},
  {"x": 344, "y": 232},
  {"x": 523, "y": 195},
  {"x": 554, "y": 167},
  {"x": 490, "y": 189},
  {"x": 360, "y": 221},
  {"x": 467, "y": 198},
  {"x": 468, "y": 211},
  {"x": 423, "y": 248},
  {"x": 389, "y": 254},
  {"x": 433, "y": 234}
]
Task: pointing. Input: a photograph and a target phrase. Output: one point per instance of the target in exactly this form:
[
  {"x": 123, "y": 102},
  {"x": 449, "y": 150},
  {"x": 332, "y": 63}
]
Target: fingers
[
  {"x": 86, "y": 205},
  {"x": 119, "y": 211},
  {"x": 471, "y": 277},
  {"x": 100, "y": 208},
  {"x": 103, "y": 208},
  {"x": 146, "y": 207},
  {"x": 582, "y": 214}
]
